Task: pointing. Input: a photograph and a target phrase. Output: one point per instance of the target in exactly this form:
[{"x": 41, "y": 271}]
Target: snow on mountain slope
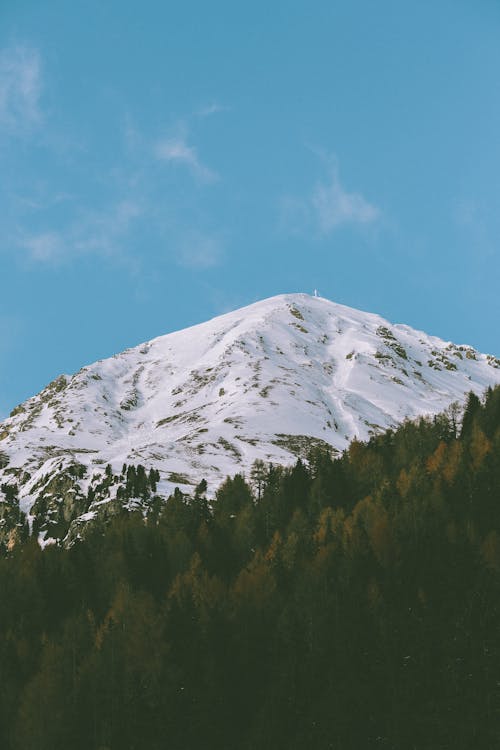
[{"x": 265, "y": 381}]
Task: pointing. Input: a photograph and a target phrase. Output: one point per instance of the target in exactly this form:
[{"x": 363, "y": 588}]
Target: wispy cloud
[
  {"x": 43, "y": 247},
  {"x": 178, "y": 151},
  {"x": 211, "y": 109},
  {"x": 329, "y": 206},
  {"x": 134, "y": 194},
  {"x": 333, "y": 205},
  {"x": 20, "y": 87},
  {"x": 101, "y": 233},
  {"x": 200, "y": 251}
]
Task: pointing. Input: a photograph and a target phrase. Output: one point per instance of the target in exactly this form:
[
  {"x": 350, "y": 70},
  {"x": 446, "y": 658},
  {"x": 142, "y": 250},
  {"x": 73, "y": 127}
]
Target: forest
[{"x": 346, "y": 602}]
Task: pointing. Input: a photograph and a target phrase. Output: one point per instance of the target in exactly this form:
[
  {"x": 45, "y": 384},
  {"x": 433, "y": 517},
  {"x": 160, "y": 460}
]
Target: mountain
[{"x": 268, "y": 381}]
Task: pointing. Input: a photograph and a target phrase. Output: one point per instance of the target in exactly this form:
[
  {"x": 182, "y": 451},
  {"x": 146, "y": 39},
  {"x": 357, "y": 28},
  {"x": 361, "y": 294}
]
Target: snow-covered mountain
[{"x": 267, "y": 381}]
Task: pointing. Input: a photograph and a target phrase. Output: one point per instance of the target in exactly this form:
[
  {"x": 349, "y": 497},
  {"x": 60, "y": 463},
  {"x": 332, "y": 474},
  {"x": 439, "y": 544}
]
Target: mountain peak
[{"x": 266, "y": 381}]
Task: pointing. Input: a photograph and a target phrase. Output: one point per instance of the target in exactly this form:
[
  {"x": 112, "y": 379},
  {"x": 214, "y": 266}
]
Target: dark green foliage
[
  {"x": 348, "y": 604},
  {"x": 473, "y": 407},
  {"x": 138, "y": 483},
  {"x": 10, "y": 491}
]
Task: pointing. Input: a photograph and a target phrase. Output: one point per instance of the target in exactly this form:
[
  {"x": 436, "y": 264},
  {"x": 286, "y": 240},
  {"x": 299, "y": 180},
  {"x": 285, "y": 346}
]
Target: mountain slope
[{"x": 266, "y": 381}]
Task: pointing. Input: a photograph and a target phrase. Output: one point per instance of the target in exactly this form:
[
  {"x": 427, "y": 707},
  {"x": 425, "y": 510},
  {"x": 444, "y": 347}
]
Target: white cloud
[
  {"x": 20, "y": 87},
  {"x": 101, "y": 233},
  {"x": 211, "y": 109},
  {"x": 104, "y": 232},
  {"x": 334, "y": 206},
  {"x": 328, "y": 207},
  {"x": 44, "y": 234},
  {"x": 108, "y": 233},
  {"x": 177, "y": 150},
  {"x": 199, "y": 251},
  {"x": 43, "y": 247}
]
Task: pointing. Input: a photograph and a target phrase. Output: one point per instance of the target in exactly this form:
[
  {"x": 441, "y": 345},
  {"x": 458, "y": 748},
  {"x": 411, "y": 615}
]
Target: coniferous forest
[{"x": 342, "y": 603}]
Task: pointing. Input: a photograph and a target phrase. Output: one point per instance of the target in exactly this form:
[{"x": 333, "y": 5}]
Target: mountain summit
[{"x": 267, "y": 381}]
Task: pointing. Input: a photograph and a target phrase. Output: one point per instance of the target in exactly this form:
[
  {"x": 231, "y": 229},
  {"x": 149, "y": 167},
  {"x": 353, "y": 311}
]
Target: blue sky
[{"x": 162, "y": 163}]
